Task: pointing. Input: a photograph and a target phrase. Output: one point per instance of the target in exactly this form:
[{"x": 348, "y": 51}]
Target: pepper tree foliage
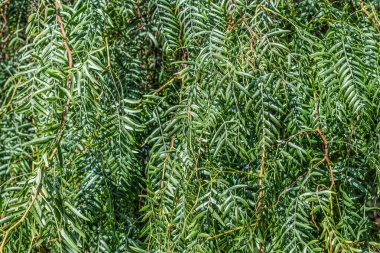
[{"x": 189, "y": 126}]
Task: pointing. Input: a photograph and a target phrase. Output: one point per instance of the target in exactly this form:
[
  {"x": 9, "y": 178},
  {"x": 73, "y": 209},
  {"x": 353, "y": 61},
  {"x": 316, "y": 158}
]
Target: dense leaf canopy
[{"x": 189, "y": 126}]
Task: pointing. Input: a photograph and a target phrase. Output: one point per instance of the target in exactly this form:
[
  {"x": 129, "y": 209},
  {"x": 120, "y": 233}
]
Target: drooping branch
[
  {"x": 6, "y": 233},
  {"x": 70, "y": 65},
  {"x": 4, "y": 2},
  {"x": 165, "y": 161},
  {"x": 325, "y": 143},
  {"x": 59, "y": 136},
  {"x": 370, "y": 16},
  {"x": 166, "y": 84}
]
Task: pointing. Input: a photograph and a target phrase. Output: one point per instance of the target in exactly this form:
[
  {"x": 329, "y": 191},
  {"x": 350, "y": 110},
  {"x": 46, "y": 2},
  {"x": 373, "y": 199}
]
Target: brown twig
[
  {"x": 325, "y": 157},
  {"x": 261, "y": 174},
  {"x": 166, "y": 84},
  {"x": 228, "y": 232},
  {"x": 6, "y": 233},
  {"x": 3, "y": 26},
  {"x": 298, "y": 135},
  {"x": 232, "y": 24},
  {"x": 252, "y": 33},
  {"x": 251, "y": 40},
  {"x": 263, "y": 155},
  {"x": 373, "y": 20},
  {"x": 4, "y": 2},
  {"x": 312, "y": 215},
  {"x": 60, "y": 134},
  {"x": 139, "y": 27},
  {"x": 165, "y": 160},
  {"x": 284, "y": 191},
  {"x": 4, "y": 23},
  {"x": 351, "y": 134},
  {"x": 325, "y": 143},
  {"x": 70, "y": 58}
]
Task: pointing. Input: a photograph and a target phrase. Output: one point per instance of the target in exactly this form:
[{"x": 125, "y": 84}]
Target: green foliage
[{"x": 189, "y": 126}]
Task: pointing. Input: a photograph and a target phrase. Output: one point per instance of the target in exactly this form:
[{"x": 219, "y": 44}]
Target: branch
[
  {"x": 312, "y": 215},
  {"x": 166, "y": 159},
  {"x": 3, "y": 3},
  {"x": 287, "y": 188},
  {"x": 297, "y": 135},
  {"x": 351, "y": 134},
  {"x": 325, "y": 156},
  {"x": 6, "y": 233},
  {"x": 228, "y": 232},
  {"x": 325, "y": 143},
  {"x": 251, "y": 41},
  {"x": 263, "y": 156},
  {"x": 70, "y": 58},
  {"x": 60, "y": 134},
  {"x": 261, "y": 176},
  {"x": 167, "y": 83},
  {"x": 373, "y": 20}
]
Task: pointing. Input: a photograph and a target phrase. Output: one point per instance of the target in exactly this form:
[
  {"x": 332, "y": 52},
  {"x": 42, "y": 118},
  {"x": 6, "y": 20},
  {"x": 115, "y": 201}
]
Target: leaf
[
  {"x": 40, "y": 140},
  {"x": 75, "y": 211}
]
